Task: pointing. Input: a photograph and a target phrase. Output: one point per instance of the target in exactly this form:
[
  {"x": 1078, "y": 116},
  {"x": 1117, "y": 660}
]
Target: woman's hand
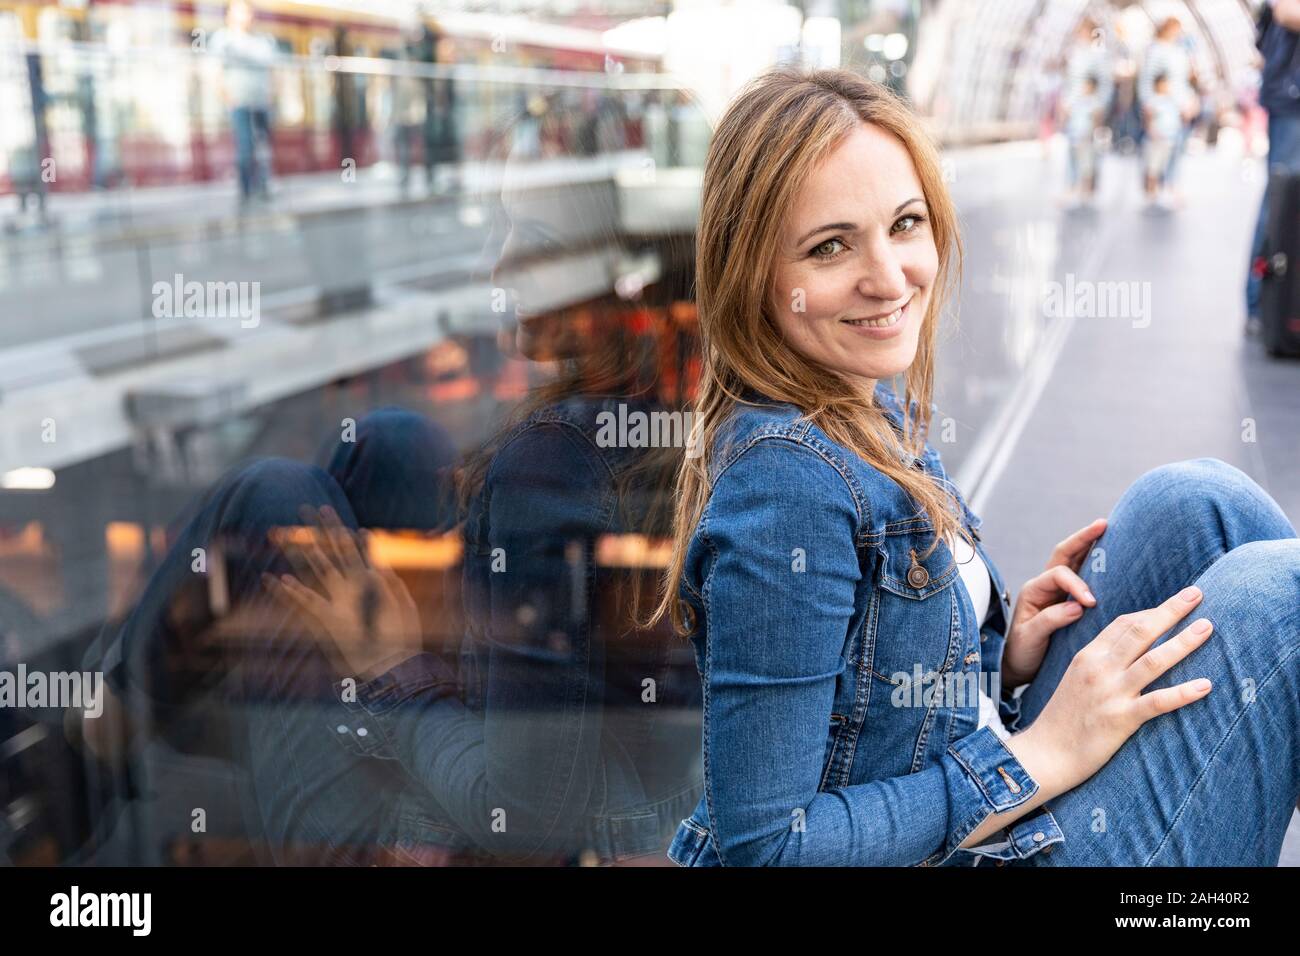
[
  {"x": 1043, "y": 606},
  {"x": 1099, "y": 702},
  {"x": 364, "y": 615}
]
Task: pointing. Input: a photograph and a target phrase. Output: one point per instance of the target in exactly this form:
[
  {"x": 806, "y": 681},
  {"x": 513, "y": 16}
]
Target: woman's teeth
[{"x": 891, "y": 319}]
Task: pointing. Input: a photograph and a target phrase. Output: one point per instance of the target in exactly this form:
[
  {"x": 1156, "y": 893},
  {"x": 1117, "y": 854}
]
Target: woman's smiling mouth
[{"x": 885, "y": 326}]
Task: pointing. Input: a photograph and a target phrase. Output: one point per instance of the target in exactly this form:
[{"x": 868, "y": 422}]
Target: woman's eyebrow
[
  {"x": 852, "y": 226},
  {"x": 846, "y": 226}
]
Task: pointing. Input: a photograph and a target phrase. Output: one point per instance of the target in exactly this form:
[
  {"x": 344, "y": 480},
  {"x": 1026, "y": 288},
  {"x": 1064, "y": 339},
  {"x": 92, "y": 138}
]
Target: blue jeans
[
  {"x": 249, "y": 124},
  {"x": 1214, "y": 782},
  {"x": 1176, "y": 152},
  {"x": 1284, "y": 156}
]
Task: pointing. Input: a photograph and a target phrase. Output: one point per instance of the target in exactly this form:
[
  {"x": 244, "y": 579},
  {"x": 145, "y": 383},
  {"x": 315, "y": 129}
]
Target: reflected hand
[
  {"x": 1043, "y": 606},
  {"x": 363, "y": 614}
]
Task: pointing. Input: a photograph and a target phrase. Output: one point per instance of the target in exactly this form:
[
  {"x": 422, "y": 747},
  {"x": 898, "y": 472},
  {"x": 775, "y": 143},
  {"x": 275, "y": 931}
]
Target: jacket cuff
[
  {"x": 1021, "y": 839},
  {"x": 996, "y": 782},
  {"x": 374, "y": 706}
]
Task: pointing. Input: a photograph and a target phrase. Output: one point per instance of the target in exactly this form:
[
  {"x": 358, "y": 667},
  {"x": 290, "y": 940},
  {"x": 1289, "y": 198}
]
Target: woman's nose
[{"x": 883, "y": 277}]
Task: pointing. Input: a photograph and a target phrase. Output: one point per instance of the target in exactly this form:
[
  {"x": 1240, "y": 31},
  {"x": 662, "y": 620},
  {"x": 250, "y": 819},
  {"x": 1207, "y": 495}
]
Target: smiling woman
[
  {"x": 852, "y": 295},
  {"x": 844, "y": 212},
  {"x": 822, "y": 561}
]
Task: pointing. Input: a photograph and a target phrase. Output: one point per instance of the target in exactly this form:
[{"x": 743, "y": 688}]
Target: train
[{"x": 102, "y": 94}]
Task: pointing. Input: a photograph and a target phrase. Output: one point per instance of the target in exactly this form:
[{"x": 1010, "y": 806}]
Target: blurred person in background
[
  {"x": 441, "y": 141},
  {"x": 409, "y": 108},
  {"x": 1089, "y": 88},
  {"x": 1125, "y": 119},
  {"x": 1084, "y": 116},
  {"x": 1279, "y": 95},
  {"x": 1168, "y": 56},
  {"x": 246, "y": 88},
  {"x": 1164, "y": 126}
]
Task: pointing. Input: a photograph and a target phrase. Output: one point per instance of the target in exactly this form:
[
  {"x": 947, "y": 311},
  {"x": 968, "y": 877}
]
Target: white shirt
[{"x": 975, "y": 578}]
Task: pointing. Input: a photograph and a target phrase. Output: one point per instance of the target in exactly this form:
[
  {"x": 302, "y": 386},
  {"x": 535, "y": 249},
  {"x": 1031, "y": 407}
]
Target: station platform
[{"x": 1054, "y": 411}]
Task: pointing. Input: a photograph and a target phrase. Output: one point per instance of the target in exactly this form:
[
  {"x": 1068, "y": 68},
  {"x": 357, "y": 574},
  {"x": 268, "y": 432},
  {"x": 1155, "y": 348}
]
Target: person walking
[
  {"x": 1279, "y": 95},
  {"x": 246, "y": 88}
]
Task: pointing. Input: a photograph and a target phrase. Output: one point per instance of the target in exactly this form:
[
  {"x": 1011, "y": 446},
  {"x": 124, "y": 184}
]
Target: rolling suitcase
[{"x": 1279, "y": 303}]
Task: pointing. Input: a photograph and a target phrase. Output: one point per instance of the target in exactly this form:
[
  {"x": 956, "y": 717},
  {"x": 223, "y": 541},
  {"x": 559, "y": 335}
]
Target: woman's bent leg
[
  {"x": 1166, "y": 530},
  {"x": 1214, "y": 782}
]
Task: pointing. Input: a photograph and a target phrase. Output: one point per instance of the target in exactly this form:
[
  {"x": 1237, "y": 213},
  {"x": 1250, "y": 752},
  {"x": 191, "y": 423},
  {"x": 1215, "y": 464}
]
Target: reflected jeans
[{"x": 1214, "y": 782}]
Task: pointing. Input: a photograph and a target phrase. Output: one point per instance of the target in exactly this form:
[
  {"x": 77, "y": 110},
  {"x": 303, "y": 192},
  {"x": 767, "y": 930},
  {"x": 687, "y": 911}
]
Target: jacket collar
[{"x": 886, "y": 401}]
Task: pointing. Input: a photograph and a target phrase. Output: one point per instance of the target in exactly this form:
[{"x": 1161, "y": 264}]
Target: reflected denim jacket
[
  {"x": 543, "y": 742},
  {"x": 839, "y": 665}
]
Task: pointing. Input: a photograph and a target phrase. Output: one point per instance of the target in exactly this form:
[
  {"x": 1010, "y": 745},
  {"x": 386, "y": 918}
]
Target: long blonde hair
[{"x": 771, "y": 138}]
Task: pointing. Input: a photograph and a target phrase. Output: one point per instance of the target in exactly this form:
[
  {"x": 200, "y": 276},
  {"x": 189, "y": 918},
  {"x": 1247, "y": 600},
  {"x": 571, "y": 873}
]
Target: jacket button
[
  {"x": 1006, "y": 596},
  {"x": 918, "y": 576},
  {"x": 1040, "y": 836}
]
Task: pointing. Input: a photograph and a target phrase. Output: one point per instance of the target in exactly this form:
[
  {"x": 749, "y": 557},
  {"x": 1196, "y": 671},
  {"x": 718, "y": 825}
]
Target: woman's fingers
[
  {"x": 1074, "y": 549},
  {"x": 342, "y": 540},
  {"x": 390, "y": 585},
  {"x": 305, "y": 555},
  {"x": 1056, "y": 581},
  {"x": 1167, "y": 699},
  {"x": 1052, "y": 618},
  {"x": 294, "y": 595},
  {"x": 1159, "y": 659},
  {"x": 1131, "y": 635}
]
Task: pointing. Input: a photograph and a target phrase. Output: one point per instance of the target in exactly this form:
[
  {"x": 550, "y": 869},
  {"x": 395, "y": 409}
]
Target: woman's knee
[
  {"x": 1253, "y": 591},
  {"x": 1209, "y": 494}
]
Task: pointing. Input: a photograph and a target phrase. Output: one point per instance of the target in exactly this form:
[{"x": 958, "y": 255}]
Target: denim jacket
[
  {"x": 816, "y": 611},
  {"x": 545, "y": 741}
]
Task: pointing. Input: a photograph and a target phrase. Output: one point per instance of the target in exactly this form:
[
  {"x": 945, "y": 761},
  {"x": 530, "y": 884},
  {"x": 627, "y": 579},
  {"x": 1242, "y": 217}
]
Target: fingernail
[
  {"x": 1190, "y": 593},
  {"x": 1088, "y": 595},
  {"x": 1076, "y": 607},
  {"x": 1201, "y": 626},
  {"x": 1201, "y": 686}
]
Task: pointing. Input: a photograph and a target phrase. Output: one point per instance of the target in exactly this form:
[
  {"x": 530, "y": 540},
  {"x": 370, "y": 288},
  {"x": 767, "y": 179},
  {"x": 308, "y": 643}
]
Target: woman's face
[{"x": 857, "y": 261}]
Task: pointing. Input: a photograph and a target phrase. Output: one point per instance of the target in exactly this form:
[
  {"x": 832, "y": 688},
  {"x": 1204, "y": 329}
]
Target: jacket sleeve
[{"x": 775, "y": 640}]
